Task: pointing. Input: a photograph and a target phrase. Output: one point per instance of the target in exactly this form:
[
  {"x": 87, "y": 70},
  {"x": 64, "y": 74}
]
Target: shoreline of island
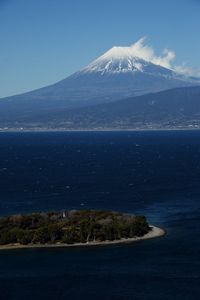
[{"x": 155, "y": 232}]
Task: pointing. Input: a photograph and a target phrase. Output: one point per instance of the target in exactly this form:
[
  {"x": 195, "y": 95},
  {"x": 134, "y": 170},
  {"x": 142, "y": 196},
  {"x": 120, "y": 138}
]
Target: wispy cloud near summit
[
  {"x": 166, "y": 59},
  {"x": 147, "y": 52}
]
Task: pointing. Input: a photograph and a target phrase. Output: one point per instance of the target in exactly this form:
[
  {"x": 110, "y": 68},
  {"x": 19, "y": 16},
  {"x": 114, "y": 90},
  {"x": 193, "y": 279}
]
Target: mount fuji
[{"x": 116, "y": 75}]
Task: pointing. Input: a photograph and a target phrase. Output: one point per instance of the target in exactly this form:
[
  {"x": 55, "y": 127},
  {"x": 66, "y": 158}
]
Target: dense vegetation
[{"x": 70, "y": 227}]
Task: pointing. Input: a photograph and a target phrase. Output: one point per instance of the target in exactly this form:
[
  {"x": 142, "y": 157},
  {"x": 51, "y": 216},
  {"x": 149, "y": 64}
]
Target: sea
[{"x": 153, "y": 173}]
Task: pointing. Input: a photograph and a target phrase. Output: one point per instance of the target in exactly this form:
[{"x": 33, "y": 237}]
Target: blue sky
[{"x": 43, "y": 41}]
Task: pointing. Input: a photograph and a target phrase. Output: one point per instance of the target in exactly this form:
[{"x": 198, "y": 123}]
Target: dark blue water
[{"x": 153, "y": 173}]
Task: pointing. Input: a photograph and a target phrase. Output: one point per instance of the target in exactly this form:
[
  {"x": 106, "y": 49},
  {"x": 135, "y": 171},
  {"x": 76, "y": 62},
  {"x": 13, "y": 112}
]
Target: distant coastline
[
  {"x": 46, "y": 130},
  {"x": 155, "y": 232}
]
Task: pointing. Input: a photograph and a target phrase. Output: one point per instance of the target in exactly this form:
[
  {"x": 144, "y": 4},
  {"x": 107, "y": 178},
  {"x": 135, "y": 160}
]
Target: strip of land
[{"x": 155, "y": 232}]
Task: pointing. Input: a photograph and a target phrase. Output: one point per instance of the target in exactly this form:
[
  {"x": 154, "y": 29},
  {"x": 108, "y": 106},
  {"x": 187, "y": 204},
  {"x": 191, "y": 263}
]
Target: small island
[{"x": 73, "y": 228}]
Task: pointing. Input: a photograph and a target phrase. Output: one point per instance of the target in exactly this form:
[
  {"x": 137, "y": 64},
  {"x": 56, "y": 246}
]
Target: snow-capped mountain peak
[
  {"x": 123, "y": 60},
  {"x": 117, "y": 60}
]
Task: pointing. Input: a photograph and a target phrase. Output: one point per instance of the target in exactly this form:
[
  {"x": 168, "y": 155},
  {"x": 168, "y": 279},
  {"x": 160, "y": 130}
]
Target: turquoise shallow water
[{"x": 153, "y": 173}]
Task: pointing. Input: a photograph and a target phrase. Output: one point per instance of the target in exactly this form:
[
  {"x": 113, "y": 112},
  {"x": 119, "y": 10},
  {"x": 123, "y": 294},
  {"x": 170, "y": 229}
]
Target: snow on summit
[
  {"x": 136, "y": 57},
  {"x": 119, "y": 53},
  {"x": 117, "y": 59}
]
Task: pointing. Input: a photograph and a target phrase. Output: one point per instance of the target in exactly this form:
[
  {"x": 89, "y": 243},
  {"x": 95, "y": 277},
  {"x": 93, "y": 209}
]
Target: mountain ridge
[
  {"x": 177, "y": 108},
  {"x": 170, "y": 109}
]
